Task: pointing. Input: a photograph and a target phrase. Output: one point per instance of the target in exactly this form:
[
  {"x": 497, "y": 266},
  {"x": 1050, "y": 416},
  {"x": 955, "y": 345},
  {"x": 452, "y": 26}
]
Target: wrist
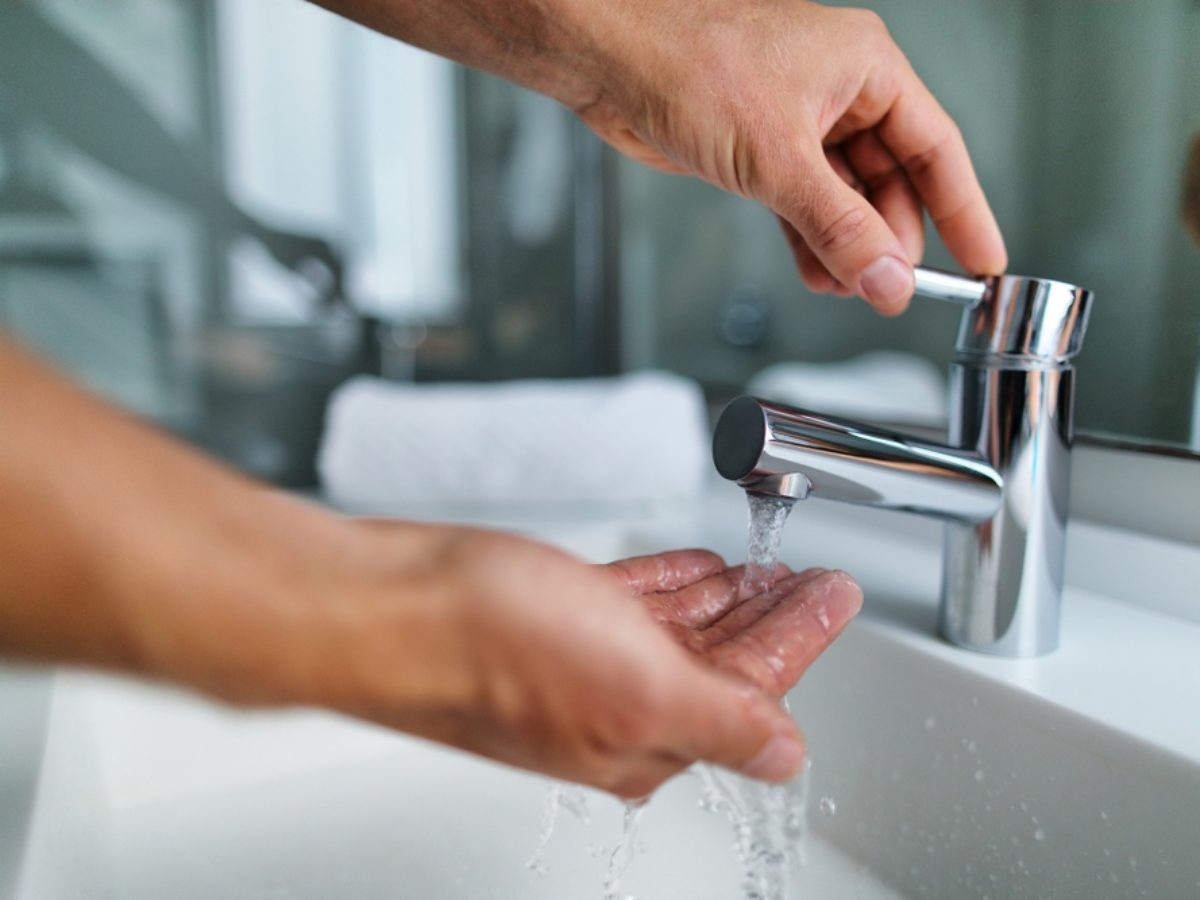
[
  {"x": 298, "y": 606},
  {"x": 223, "y": 587}
]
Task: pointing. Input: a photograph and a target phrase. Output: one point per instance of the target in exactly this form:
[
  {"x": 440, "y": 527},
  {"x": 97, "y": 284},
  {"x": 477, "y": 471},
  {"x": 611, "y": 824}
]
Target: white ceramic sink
[{"x": 953, "y": 775}]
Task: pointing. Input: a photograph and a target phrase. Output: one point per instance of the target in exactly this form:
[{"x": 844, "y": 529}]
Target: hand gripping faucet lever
[{"x": 1001, "y": 484}]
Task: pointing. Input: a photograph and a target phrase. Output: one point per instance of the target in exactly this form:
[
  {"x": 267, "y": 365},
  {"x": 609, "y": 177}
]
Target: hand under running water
[
  {"x": 768, "y": 639},
  {"x": 616, "y": 676},
  {"x": 172, "y": 567}
]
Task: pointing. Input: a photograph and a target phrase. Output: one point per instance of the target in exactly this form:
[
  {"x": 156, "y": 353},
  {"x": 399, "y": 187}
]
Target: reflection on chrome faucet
[{"x": 1002, "y": 482}]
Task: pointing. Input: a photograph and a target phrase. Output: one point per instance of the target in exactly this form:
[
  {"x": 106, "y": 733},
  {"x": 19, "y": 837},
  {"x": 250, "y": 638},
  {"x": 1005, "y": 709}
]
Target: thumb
[
  {"x": 736, "y": 726},
  {"x": 850, "y": 238}
]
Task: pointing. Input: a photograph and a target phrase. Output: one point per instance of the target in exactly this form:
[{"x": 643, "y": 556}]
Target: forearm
[
  {"x": 552, "y": 46},
  {"x": 122, "y": 549}
]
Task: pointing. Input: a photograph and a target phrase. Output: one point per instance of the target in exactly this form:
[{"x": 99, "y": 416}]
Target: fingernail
[
  {"x": 888, "y": 281},
  {"x": 779, "y": 760}
]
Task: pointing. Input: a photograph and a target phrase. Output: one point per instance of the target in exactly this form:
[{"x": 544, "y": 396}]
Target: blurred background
[{"x": 216, "y": 211}]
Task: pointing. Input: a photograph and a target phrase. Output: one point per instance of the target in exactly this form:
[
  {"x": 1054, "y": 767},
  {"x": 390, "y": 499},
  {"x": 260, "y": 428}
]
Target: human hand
[
  {"x": 616, "y": 676},
  {"x": 769, "y": 638},
  {"x": 812, "y": 111}
]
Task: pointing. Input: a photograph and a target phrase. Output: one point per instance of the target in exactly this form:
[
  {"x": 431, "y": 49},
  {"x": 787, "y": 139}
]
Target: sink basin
[
  {"x": 943, "y": 773},
  {"x": 191, "y": 801}
]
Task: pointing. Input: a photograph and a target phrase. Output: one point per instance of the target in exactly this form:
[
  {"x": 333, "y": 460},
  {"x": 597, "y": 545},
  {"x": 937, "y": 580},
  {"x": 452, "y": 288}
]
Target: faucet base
[{"x": 1002, "y": 578}]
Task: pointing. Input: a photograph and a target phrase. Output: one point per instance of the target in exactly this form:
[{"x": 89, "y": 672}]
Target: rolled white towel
[
  {"x": 881, "y": 386},
  {"x": 636, "y": 439}
]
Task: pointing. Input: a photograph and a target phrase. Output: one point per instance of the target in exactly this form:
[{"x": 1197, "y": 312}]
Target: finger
[
  {"x": 666, "y": 571},
  {"x": 640, "y": 776},
  {"x": 930, "y": 147},
  {"x": 812, "y": 272},
  {"x": 849, "y": 237},
  {"x": 701, "y": 604},
  {"x": 887, "y": 185},
  {"x": 838, "y": 161},
  {"x": 775, "y": 650},
  {"x": 742, "y": 617},
  {"x": 736, "y": 726}
]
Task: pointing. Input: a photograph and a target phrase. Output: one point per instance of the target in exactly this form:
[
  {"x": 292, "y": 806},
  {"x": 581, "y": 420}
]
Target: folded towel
[
  {"x": 634, "y": 439},
  {"x": 882, "y": 386}
]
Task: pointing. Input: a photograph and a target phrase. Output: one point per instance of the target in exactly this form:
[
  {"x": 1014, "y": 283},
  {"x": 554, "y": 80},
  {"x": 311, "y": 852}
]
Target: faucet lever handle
[{"x": 958, "y": 289}]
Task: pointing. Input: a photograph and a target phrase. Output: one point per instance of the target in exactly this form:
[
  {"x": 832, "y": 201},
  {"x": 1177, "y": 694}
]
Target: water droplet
[
  {"x": 979, "y": 776},
  {"x": 1039, "y": 835},
  {"x": 970, "y": 745},
  {"x": 828, "y": 806},
  {"x": 930, "y": 723},
  {"x": 1103, "y": 816},
  {"x": 1024, "y": 806}
]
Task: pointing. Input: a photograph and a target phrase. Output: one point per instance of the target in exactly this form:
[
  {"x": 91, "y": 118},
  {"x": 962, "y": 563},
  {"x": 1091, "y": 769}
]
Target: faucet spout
[{"x": 768, "y": 448}]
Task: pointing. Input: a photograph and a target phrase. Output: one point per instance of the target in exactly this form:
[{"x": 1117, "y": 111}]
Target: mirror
[
  {"x": 1083, "y": 120},
  {"x": 250, "y": 211}
]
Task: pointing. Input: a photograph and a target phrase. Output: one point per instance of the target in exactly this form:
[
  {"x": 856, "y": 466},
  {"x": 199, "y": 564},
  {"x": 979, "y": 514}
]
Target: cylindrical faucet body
[
  {"x": 1012, "y": 402},
  {"x": 1002, "y": 578}
]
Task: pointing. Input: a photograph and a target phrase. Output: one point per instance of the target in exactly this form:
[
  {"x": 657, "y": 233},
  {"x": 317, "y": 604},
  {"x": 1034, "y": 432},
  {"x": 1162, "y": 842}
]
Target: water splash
[
  {"x": 769, "y": 824},
  {"x": 769, "y": 820},
  {"x": 559, "y": 796},
  {"x": 550, "y": 810},
  {"x": 626, "y": 850}
]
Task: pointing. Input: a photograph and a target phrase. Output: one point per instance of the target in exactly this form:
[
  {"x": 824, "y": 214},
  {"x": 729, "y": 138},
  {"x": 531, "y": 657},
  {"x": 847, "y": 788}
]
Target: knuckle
[
  {"x": 846, "y": 229},
  {"x": 948, "y": 141},
  {"x": 868, "y": 26}
]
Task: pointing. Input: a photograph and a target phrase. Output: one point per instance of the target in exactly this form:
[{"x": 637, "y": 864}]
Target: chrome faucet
[{"x": 1001, "y": 484}]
